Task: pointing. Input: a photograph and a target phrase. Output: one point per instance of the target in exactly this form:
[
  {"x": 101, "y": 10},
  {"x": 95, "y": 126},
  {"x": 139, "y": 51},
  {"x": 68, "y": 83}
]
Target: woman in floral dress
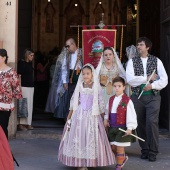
[{"x": 9, "y": 88}]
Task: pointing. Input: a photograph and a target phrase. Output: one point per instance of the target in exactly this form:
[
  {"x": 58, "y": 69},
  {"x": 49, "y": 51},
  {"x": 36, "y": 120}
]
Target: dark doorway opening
[
  {"x": 149, "y": 26},
  {"x": 25, "y": 28}
]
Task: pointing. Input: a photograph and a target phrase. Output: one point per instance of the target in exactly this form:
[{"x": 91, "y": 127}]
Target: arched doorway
[{"x": 33, "y": 32}]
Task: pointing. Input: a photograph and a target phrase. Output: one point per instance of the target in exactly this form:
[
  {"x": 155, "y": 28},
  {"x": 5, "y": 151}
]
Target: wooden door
[
  {"x": 24, "y": 26},
  {"x": 154, "y": 23},
  {"x": 149, "y": 23}
]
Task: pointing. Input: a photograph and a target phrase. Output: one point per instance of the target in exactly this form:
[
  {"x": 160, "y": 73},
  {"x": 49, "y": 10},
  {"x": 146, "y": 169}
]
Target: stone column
[
  {"x": 1, "y": 44},
  {"x": 8, "y": 35}
]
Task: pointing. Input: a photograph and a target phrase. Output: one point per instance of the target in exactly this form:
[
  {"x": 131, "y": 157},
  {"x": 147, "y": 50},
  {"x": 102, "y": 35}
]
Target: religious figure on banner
[{"x": 96, "y": 52}]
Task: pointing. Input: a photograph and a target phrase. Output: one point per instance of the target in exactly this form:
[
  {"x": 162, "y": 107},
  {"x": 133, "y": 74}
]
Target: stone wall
[{"x": 8, "y": 34}]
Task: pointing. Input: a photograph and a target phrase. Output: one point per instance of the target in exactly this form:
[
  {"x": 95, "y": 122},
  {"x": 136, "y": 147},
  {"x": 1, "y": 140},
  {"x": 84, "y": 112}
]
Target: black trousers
[
  {"x": 147, "y": 110},
  {"x": 71, "y": 88},
  {"x": 4, "y": 120}
]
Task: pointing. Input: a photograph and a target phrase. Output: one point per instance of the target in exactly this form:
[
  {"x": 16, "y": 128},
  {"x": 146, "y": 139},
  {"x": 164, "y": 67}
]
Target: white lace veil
[
  {"x": 120, "y": 68},
  {"x": 131, "y": 52},
  {"x": 118, "y": 62},
  {"x": 95, "y": 106}
]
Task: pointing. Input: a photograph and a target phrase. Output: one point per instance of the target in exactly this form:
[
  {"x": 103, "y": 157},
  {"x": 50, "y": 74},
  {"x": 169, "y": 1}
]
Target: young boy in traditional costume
[{"x": 120, "y": 113}]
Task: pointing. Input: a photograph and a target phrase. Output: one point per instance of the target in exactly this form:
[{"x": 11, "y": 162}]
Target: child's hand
[
  {"x": 106, "y": 123},
  {"x": 68, "y": 124},
  {"x": 128, "y": 132}
]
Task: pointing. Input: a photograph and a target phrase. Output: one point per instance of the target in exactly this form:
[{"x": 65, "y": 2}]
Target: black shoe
[
  {"x": 144, "y": 155},
  {"x": 152, "y": 157}
]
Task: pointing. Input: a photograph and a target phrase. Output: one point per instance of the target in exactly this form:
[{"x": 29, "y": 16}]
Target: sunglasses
[{"x": 68, "y": 46}]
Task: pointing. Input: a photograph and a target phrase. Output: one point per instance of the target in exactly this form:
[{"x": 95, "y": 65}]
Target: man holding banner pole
[
  {"x": 67, "y": 70},
  {"x": 147, "y": 76},
  {"x": 71, "y": 66}
]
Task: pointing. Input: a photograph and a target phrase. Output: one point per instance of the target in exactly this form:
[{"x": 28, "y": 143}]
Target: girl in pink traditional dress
[{"x": 84, "y": 142}]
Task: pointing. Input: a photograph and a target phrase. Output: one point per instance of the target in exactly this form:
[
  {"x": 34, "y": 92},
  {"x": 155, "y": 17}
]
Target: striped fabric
[{"x": 86, "y": 144}]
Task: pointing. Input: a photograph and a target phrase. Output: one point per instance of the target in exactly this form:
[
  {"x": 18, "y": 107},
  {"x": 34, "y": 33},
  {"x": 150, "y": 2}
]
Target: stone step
[{"x": 47, "y": 133}]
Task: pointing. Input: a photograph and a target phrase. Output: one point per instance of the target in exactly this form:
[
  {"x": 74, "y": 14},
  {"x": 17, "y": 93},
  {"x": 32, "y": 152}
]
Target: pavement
[{"x": 38, "y": 149}]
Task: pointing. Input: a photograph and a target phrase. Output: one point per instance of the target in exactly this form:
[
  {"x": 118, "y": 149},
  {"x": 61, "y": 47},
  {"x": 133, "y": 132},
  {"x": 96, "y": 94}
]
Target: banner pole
[
  {"x": 75, "y": 26},
  {"x": 78, "y": 37},
  {"x": 121, "y": 44}
]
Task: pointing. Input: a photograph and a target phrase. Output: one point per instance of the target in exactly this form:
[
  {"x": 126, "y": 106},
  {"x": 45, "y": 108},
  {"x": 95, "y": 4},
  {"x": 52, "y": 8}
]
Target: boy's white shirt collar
[{"x": 119, "y": 95}]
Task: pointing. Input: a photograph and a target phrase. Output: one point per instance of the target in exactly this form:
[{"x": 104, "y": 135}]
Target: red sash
[{"x": 121, "y": 109}]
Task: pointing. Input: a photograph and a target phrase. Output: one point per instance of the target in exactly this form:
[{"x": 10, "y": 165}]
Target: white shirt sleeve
[
  {"x": 64, "y": 71},
  {"x": 131, "y": 78},
  {"x": 131, "y": 118},
  {"x": 163, "y": 78}
]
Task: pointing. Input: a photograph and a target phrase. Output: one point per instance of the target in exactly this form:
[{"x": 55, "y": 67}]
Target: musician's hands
[
  {"x": 65, "y": 86},
  {"x": 147, "y": 87},
  {"x": 153, "y": 77}
]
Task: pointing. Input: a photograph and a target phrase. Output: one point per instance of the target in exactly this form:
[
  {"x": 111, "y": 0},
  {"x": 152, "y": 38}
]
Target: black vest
[{"x": 139, "y": 71}]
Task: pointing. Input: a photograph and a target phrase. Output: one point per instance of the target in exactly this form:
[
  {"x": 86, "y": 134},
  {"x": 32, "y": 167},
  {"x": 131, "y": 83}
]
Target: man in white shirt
[
  {"x": 138, "y": 71},
  {"x": 61, "y": 89},
  {"x": 71, "y": 66},
  {"x": 69, "y": 63}
]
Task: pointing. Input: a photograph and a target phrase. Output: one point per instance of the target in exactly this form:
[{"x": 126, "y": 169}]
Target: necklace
[
  {"x": 87, "y": 85},
  {"x": 109, "y": 67}
]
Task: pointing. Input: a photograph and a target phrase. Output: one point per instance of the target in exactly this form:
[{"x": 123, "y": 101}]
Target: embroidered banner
[{"x": 93, "y": 43}]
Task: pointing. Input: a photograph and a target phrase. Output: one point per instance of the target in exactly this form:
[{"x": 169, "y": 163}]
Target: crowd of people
[
  {"x": 100, "y": 94},
  {"x": 102, "y": 107}
]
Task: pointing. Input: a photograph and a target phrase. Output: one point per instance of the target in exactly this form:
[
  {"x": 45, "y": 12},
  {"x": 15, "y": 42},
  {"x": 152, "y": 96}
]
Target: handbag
[{"x": 22, "y": 108}]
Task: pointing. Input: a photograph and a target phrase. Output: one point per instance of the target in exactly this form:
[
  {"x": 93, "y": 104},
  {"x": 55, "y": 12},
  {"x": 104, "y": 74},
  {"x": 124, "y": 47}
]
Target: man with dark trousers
[{"x": 138, "y": 72}]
